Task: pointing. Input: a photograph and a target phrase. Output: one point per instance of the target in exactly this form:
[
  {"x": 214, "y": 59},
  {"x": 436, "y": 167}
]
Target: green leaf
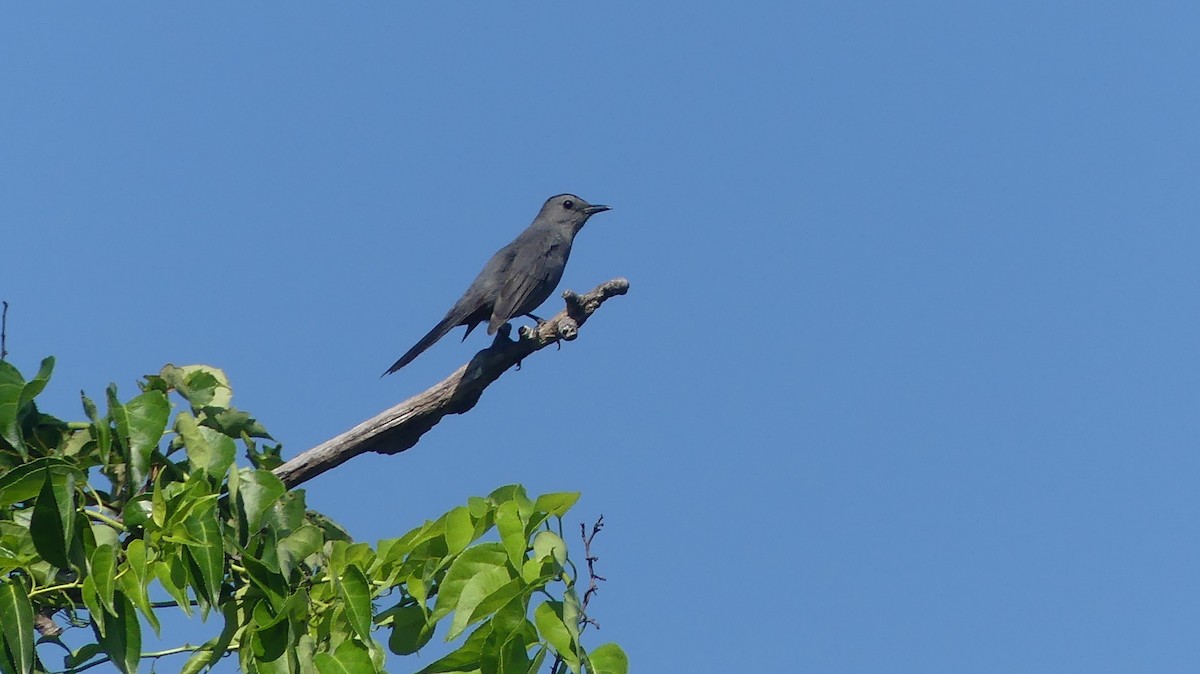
[
  {"x": 234, "y": 423},
  {"x": 557, "y": 503},
  {"x": 608, "y": 659},
  {"x": 26, "y": 480},
  {"x": 549, "y": 544},
  {"x": 92, "y": 602},
  {"x": 460, "y": 530},
  {"x": 293, "y": 549},
  {"x": 11, "y": 386},
  {"x": 466, "y": 657},
  {"x": 479, "y": 507},
  {"x": 536, "y": 665},
  {"x": 208, "y": 552},
  {"x": 172, "y": 575},
  {"x": 504, "y": 654},
  {"x": 86, "y": 652},
  {"x": 548, "y": 618},
  {"x": 122, "y": 639},
  {"x": 100, "y": 429},
  {"x": 53, "y": 520},
  {"x": 207, "y": 449},
  {"x": 146, "y": 420},
  {"x": 103, "y": 571},
  {"x": 16, "y": 622},
  {"x": 498, "y": 598},
  {"x": 258, "y": 491},
  {"x": 201, "y": 385},
  {"x": 409, "y": 630},
  {"x": 485, "y": 558},
  {"x": 512, "y": 532},
  {"x": 271, "y": 638},
  {"x": 356, "y": 595},
  {"x": 135, "y": 580},
  {"x": 38, "y": 383},
  {"x": 349, "y": 658},
  {"x": 273, "y": 586}
]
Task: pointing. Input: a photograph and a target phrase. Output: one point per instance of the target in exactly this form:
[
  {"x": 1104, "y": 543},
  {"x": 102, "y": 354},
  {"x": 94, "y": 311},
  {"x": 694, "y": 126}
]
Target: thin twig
[
  {"x": 4, "y": 332},
  {"x": 594, "y": 579}
]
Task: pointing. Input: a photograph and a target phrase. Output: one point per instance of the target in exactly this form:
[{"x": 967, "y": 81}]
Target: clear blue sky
[{"x": 908, "y": 377}]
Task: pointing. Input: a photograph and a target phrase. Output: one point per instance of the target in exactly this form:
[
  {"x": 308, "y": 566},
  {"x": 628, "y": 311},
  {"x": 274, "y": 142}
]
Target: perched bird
[{"x": 519, "y": 277}]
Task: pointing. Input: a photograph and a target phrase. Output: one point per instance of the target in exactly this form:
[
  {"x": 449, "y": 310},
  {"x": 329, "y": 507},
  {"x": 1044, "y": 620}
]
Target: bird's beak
[{"x": 598, "y": 208}]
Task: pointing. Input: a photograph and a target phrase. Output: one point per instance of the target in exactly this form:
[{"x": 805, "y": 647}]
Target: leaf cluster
[{"x": 147, "y": 497}]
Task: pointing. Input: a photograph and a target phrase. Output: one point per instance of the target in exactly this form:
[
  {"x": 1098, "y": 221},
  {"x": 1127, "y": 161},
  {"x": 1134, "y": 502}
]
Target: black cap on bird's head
[{"x": 568, "y": 208}]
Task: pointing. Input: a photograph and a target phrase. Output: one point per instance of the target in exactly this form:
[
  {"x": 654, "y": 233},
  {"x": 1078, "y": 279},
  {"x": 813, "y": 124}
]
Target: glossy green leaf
[
  {"x": 356, "y": 596},
  {"x": 509, "y": 655},
  {"x": 53, "y": 523},
  {"x": 200, "y": 385},
  {"x": 101, "y": 431},
  {"x": 198, "y": 661},
  {"x": 146, "y": 420},
  {"x": 297, "y": 546},
  {"x": 85, "y": 653},
  {"x": 11, "y": 385},
  {"x": 556, "y": 504},
  {"x": 548, "y": 618},
  {"x": 506, "y": 593},
  {"x": 486, "y": 581},
  {"x": 95, "y": 608},
  {"x": 16, "y": 624},
  {"x": 26, "y": 480},
  {"x": 460, "y": 530},
  {"x": 349, "y": 658},
  {"x": 536, "y": 665},
  {"x": 608, "y": 659},
  {"x": 103, "y": 572},
  {"x": 465, "y": 658},
  {"x": 258, "y": 491},
  {"x": 135, "y": 580},
  {"x": 206, "y": 448},
  {"x": 208, "y": 552},
  {"x": 172, "y": 575},
  {"x": 485, "y": 558},
  {"x": 479, "y": 507},
  {"x": 36, "y": 385},
  {"x": 271, "y": 639},
  {"x": 409, "y": 630},
  {"x": 269, "y": 582},
  {"x": 122, "y": 638},
  {"x": 549, "y": 544},
  {"x": 512, "y": 532}
]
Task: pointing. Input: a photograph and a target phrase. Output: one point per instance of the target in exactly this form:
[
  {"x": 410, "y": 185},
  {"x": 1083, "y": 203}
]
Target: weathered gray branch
[{"x": 400, "y": 427}]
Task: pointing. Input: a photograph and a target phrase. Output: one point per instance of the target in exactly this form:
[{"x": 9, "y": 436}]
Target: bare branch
[{"x": 400, "y": 427}]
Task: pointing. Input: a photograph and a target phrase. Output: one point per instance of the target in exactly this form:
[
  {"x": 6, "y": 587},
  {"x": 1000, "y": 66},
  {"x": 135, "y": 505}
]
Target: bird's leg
[
  {"x": 502, "y": 336},
  {"x": 540, "y": 323}
]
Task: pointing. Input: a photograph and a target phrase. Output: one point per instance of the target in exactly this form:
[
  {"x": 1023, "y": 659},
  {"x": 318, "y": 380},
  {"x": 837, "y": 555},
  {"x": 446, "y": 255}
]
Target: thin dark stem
[
  {"x": 4, "y": 332},
  {"x": 594, "y": 579}
]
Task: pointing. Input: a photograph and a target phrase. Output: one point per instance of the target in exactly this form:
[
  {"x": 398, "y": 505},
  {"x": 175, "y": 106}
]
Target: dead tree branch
[{"x": 400, "y": 427}]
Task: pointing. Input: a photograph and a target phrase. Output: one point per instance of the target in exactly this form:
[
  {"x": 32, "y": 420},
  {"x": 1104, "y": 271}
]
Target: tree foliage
[{"x": 146, "y": 499}]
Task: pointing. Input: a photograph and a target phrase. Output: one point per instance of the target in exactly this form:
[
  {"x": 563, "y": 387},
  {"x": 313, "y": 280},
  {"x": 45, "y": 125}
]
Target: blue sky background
[{"x": 907, "y": 379}]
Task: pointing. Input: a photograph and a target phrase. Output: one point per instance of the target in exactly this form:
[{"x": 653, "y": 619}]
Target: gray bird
[{"x": 519, "y": 277}]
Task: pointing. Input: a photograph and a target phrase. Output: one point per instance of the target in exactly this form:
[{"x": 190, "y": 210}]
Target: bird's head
[{"x": 569, "y": 211}]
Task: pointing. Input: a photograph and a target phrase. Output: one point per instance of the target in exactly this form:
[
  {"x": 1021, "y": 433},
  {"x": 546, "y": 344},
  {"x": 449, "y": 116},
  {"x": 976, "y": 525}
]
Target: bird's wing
[{"x": 531, "y": 278}]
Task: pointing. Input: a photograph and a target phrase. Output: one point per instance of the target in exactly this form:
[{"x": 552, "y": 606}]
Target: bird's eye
[{"x": 568, "y": 204}]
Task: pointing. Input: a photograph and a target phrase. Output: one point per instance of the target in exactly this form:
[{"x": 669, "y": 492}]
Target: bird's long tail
[{"x": 448, "y": 323}]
